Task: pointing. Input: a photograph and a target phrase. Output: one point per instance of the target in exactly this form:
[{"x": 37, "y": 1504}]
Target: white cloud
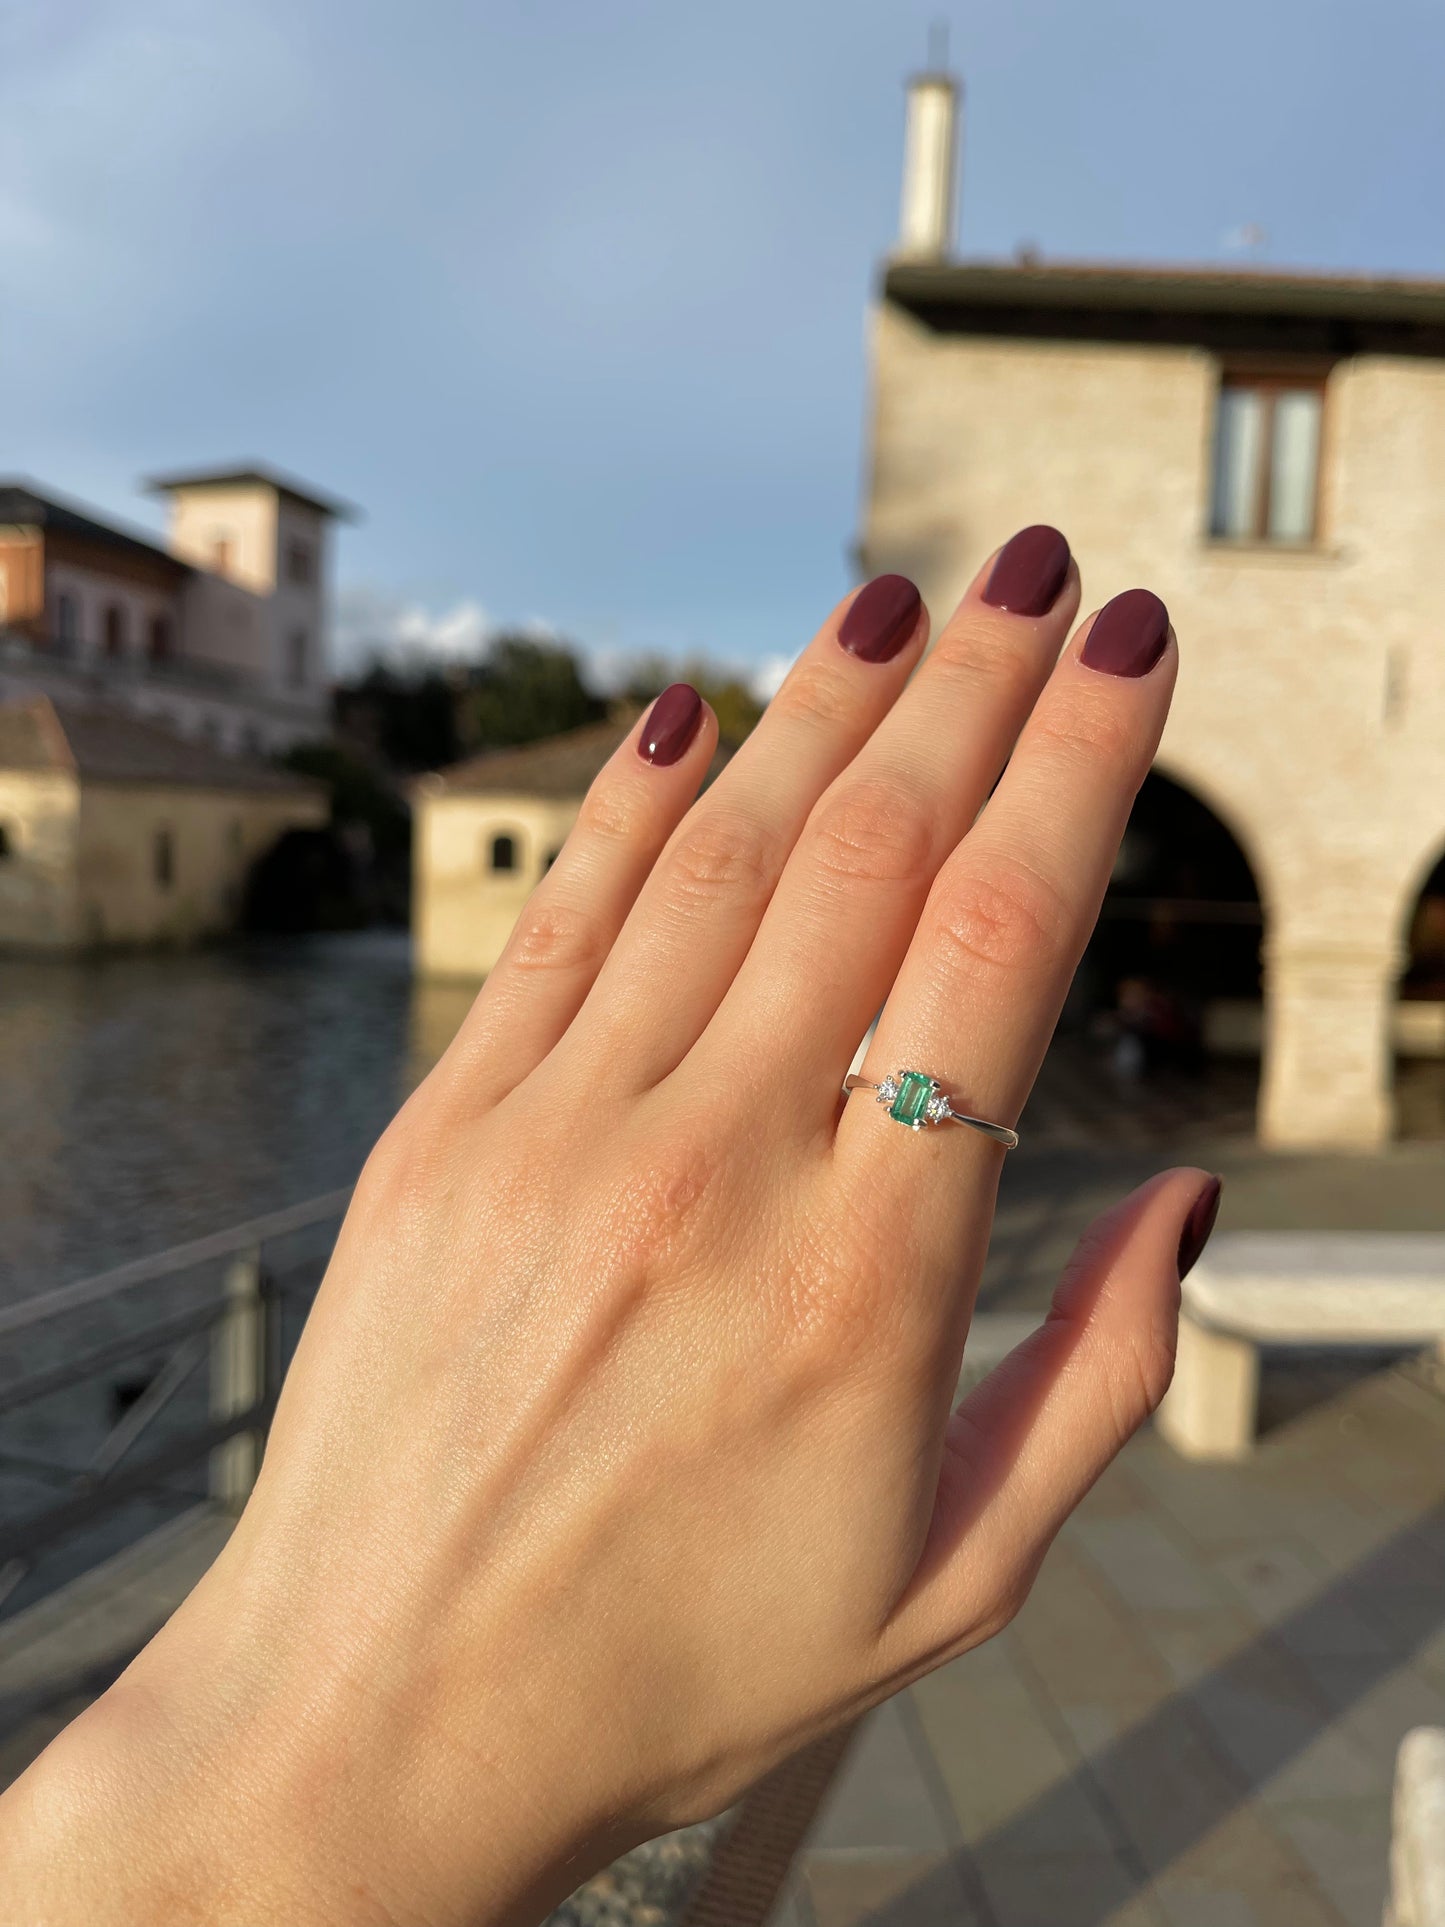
[
  {"x": 373, "y": 626},
  {"x": 767, "y": 678}
]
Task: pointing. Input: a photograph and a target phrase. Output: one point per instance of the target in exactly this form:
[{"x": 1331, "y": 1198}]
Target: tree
[{"x": 525, "y": 689}]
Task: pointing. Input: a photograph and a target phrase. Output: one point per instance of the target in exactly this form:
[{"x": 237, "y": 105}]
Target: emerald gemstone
[{"x": 910, "y": 1107}]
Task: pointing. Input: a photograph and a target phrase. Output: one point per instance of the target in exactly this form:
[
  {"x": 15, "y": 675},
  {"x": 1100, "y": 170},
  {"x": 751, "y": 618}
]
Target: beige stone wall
[
  {"x": 243, "y": 516},
  {"x": 215, "y": 838},
  {"x": 1311, "y": 706},
  {"x": 40, "y": 818},
  {"x": 463, "y": 912}
]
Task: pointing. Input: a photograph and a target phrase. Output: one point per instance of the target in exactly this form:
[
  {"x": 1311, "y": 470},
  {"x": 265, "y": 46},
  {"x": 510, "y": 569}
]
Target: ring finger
[{"x": 1006, "y": 921}]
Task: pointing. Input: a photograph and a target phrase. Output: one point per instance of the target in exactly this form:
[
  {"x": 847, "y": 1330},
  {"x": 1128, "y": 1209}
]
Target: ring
[{"x": 916, "y": 1099}]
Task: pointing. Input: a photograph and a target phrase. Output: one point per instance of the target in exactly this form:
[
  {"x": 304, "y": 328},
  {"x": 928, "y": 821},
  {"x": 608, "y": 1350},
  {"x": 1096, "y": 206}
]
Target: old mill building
[
  {"x": 115, "y": 832},
  {"x": 218, "y": 633},
  {"x": 1267, "y": 450}
]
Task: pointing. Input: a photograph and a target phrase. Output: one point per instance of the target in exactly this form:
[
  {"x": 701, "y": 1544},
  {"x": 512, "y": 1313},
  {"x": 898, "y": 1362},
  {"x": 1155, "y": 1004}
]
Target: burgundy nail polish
[
  {"x": 671, "y": 724},
  {"x": 1198, "y": 1225},
  {"x": 1128, "y": 635},
  {"x": 1028, "y": 572},
  {"x": 881, "y": 618}
]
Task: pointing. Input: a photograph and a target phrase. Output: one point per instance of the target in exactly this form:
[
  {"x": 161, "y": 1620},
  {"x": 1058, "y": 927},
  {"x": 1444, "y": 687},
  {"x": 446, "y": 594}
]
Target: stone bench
[
  {"x": 1417, "y": 1845},
  {"x": 1290, "y": 1288}
]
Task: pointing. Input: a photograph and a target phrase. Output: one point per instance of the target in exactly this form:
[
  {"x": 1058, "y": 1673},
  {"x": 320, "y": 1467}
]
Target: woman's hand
[{"x": 616, "y": 1462}]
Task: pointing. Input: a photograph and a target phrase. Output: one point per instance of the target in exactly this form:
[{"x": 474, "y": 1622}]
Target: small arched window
[
  {"x": 160, "y": 639},
  {"x": 7, "y": 842},
  {"x": 113, "y": 632},
  {"x": 550, "y": 858},
  {"x": 503, "y": 855}
]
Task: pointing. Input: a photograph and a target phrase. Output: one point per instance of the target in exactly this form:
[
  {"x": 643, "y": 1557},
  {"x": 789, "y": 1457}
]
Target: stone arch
[
  {"x": 1175, "y": 962},
  {"x": 1419, "y": 1016}
]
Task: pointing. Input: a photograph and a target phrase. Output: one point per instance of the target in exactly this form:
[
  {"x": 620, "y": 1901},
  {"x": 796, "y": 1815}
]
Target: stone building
[
  {"x": 114, "y": 832},
  {"x": 485, "y": 832},
  {"x": 220, "y": 634},
  {"x": 1267, "y": 450}
]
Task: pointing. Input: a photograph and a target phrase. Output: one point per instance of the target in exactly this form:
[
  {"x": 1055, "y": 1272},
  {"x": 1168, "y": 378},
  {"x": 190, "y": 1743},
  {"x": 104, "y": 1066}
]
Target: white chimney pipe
[{"x": 930, "y": 169}]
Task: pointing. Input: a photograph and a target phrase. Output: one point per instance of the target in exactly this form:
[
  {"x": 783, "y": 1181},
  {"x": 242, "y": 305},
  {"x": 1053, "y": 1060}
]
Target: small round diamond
[
  {"x": 888, "y": 1090},
  {"x": 937, "y": 1109}
]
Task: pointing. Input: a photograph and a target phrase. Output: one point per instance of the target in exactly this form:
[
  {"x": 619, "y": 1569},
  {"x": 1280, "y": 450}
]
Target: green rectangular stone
[{"x": 911, "y": 1104}]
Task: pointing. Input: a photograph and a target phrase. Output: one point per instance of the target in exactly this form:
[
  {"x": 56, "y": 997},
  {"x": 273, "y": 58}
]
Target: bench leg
[{"x": 1209, "y": 1410}]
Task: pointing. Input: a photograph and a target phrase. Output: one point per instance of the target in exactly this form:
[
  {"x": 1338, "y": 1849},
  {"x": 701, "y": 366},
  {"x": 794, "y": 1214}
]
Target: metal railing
[{"x": 238, "y": 1331}]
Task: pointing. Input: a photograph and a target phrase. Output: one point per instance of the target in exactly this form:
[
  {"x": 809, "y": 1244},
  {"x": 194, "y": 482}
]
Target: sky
[{"x": 570, "y": 299}]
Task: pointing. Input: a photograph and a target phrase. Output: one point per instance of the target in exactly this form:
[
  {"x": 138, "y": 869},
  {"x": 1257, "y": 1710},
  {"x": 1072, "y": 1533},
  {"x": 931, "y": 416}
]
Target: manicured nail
[
  {"x": 881, "y": 618},
  {"x": 1128, "y": 635},
  {"x": 671, "y": 724},
  {"x": 1028, "y": 572},
  {"x": 1198, "y": 1225}
]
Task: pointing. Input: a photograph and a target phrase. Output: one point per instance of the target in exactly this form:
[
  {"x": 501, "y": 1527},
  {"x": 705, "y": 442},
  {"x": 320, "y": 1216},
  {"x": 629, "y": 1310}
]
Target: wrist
[{"x": 215, "y": 1784}]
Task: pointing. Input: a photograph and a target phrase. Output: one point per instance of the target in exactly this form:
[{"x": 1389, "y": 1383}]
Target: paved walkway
[{"x": 1193, "y": 1721}]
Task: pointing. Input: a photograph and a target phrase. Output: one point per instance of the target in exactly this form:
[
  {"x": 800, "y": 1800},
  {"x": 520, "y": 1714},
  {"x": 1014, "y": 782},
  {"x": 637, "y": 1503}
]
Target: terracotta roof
[
  {"x": 23, "y": 505},
  {"x": 242, "y": 474},
  {"x": 560, "y": 766},
  {"x": 103, "y": 745},
  {"x": 1347, "y": 312}
]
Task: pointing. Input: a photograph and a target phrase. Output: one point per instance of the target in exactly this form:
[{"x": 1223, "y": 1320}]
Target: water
[{"x": 149, "y": 1099}]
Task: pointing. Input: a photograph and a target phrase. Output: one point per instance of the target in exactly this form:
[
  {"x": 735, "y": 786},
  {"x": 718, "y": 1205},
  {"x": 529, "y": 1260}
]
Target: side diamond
[
  {"x": 937, "y": 1109},
  {"x": 888, "y": 1090}
]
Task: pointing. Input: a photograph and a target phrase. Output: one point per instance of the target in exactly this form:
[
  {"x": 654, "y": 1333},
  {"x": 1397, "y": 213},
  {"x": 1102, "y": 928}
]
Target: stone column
[{"x": 1328, "y": 1071}]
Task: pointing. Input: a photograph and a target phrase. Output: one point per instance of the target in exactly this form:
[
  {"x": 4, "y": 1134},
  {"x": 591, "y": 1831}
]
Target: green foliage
[
  {"x": 738, "y": 709},
  {"x": 525, "y": 690},
  {"x": 359, "y": 795}
]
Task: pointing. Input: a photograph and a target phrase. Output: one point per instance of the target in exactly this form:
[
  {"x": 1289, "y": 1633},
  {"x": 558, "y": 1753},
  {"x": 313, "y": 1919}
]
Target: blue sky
[{"x": 570, "y": 297}]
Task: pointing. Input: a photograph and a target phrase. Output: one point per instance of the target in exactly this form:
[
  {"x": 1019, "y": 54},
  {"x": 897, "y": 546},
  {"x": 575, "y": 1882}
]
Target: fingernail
[
  {"x": 1128, "y": 635},
  {"x": 1028, "y": 572},
  {"x": 671, "y": 724},
  {"x": 1198, "y": 1225},
  {"x": 881, "y": 618}
]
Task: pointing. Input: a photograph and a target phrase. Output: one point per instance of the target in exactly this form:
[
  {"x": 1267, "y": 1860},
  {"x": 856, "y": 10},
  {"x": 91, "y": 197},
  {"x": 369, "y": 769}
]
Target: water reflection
[{"x": 149, "y": 1099}]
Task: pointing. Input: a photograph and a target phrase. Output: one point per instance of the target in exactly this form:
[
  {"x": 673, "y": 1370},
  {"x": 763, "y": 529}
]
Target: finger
[
  {"x": 1028, "y": 1442},
  {"x": 979, "y": 993},
  {"x": 570, "y": 922},
  {"x": 851, "y": 894},
  {"x": 701, "y": 906}
]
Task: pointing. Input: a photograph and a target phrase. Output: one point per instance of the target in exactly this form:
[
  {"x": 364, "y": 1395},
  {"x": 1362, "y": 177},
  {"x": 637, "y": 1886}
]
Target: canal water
[{"x": 149, "y": 1099}]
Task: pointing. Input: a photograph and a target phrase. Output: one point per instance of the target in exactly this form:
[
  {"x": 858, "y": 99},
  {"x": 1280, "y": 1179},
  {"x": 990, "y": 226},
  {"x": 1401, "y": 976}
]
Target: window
[
  {"x": 504, "y": 853},
  {"x": 300, "y": 563},
  {"x": 223, "y": 549},
  {"x": 159, "y": 645},
  {"x": 67, "y": 624},
  {"x": 296, "y": 651},
  {"x": 113, "y": 631},
  {"x": 1266, "y": 458},
  {"x": 550, "y": 858},
  {"x": 7, "y": 842},
  {"x": 163, "y": 858}
]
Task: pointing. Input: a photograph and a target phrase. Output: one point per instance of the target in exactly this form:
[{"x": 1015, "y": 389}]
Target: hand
[{"x": 616, "y": 1461}]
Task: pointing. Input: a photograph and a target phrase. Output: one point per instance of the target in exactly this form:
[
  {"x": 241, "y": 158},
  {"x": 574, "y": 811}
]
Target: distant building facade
[
  {"x": 484, "y": 834},
  {"x": 114, "y": 832},
  {"x": 220, "y": 634},
  {"x": 1268, "y": 452}
]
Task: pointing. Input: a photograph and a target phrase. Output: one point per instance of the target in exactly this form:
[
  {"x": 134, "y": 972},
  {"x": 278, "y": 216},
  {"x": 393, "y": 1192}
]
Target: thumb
[{"x": 1027, "y": 1443}]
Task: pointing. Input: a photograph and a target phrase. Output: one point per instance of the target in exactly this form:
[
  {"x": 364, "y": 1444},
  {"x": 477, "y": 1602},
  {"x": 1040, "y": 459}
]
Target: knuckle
[
  {"x": 821, "y": 701},
  {"x": 870, "y": 831},
  {"x": 1090, "y": 733},
  {"x": 551, "y": 935},
  {"x": 615, "y": 813},
  {"x": 1001, "y": 914},
  {"x": 720, "y": 857},
  {"x": 976, "y": 664}
]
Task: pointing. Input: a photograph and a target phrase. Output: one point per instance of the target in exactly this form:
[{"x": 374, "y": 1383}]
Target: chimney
[{"x": 930, "y": 166}]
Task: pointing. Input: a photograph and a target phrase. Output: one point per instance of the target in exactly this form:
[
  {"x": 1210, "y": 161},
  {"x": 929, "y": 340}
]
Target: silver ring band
[{"x": 916, "y": 1099}]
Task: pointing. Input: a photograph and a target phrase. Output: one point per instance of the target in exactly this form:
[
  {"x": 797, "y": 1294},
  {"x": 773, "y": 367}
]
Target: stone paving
[{"x": 1194, "y": 1719}]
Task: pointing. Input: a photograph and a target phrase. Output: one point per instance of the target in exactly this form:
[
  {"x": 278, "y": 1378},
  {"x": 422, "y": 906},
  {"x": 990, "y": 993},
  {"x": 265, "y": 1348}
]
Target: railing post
[{"x": 238, "y": 1373}]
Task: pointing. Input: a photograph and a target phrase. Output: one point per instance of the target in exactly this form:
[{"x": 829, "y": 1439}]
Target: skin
[{"x": 617, "y": 1460}]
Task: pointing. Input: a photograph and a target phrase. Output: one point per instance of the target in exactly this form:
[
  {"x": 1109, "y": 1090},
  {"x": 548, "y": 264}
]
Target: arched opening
[
  {"x": 1164, "y": 1020},
  {"x": 1420, "y": 1014},
  {"x": 502, "y": 854},
  {"x": 113, "y": 631}
]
